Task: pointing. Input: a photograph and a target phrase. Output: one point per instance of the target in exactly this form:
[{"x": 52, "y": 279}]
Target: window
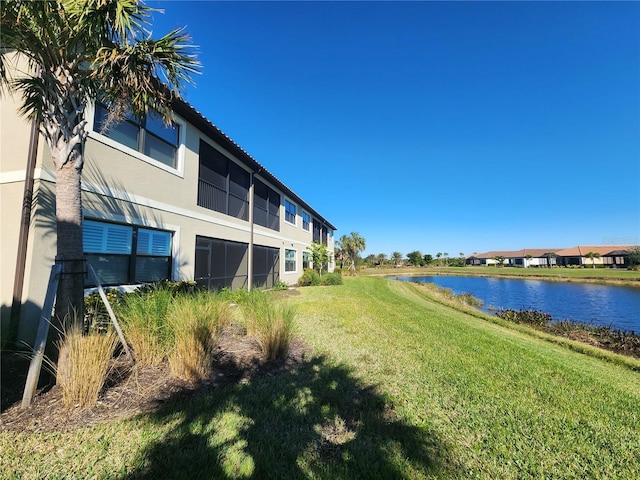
[
  {"x": 125, "y": 254},
  {"x": 289, "y": 212},
  {"x": 306, "y": 221},
  {"x": 289, "y": 260},
  {"x": 305, "y": 260},
  {"x": 149, "y": 136},
  {"x": 266, "y": 206},
  {"x": 223, "y": 185}
]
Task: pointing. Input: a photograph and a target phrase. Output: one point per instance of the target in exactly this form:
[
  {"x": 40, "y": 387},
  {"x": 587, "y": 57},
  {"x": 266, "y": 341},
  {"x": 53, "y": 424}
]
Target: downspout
[
  {"x": 250, "y": 253},
  {"x": 23, "y": 238}
]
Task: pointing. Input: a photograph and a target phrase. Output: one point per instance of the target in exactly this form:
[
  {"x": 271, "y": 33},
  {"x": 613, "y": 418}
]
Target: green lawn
[{"x": 401, "y": 386}]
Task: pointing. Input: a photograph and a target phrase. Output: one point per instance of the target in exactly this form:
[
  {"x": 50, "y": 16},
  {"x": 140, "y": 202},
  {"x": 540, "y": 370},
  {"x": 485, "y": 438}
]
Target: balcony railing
[{"x": 215, "y": 198}]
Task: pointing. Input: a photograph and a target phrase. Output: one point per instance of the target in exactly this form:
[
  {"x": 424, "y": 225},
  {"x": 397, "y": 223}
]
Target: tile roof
[
  {"x": 577, "y": 251},
  {"x": 534, "y": 252},
  {"x": 583, "y": 250}
]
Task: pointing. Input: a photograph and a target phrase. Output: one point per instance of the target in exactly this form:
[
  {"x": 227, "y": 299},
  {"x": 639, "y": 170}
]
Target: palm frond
[
  {"x": 101, "y": 47},
  {"x": 148, "y": 73},
  {"x": 35, "y": 29},
  {"x": 33, "y": 92}
]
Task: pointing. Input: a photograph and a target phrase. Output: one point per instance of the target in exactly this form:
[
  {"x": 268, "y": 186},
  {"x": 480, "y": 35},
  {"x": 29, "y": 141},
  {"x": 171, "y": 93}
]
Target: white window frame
[
  {"x": 308, "y": 229},
  {"x": 180, "y": 152},
  {"x": 295, "y": 260},
  {"x": 288, "y": 202}
]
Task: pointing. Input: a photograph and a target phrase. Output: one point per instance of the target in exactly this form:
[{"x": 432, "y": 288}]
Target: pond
[{"x": 608, "y": 305}]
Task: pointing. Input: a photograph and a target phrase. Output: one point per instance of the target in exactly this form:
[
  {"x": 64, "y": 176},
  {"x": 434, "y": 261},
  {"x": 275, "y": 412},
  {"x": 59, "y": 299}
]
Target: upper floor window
[
  {"x": 149, "y": 135},
  {"x": 289, "y": 212},
  {"x": 223, "y": 185},
  {"x": 306, "y": 221}
]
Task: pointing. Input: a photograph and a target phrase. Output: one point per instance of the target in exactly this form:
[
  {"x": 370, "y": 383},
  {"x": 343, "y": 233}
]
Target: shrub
[
  {"x": 529, "y": 317},
  {"x": 143, "y": 315},
  {"x": 309, "y": 278},
  {"x": 270, "y": 323},
  {"x": 96, "y": 317},
  {"x": 233, "y": 296},
  {"x": 334, "y": 278},
  {"x": 83, "y": 366},
  {"x": 195, "y": 322},
  {"x": 616, "y": 340},
  {"x": 468, "y": 299},
  {"x": 446, "y": 292},
  {"x": 280, "y": 285},
  {"x": 175, "y": 288}
]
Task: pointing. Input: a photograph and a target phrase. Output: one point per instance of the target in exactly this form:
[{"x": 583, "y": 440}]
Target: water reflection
[{"x": 613, "y": 305}]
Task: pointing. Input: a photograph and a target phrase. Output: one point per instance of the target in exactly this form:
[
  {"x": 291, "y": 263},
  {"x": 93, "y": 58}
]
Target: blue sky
[{"x": 434, "y": 126}]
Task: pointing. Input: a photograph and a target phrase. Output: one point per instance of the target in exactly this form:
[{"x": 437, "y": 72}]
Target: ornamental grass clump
[
  {"x": 468, "y": 299},
  {"x": 144, "y": 324},
  {"x": 83, "y": 366},
  {"x": 195, "y": 322},
  {"x": 271, "y": 324}
]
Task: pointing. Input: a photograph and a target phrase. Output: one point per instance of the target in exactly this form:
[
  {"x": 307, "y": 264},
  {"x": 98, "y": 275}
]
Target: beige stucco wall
[{"x": 14, "y": 148}]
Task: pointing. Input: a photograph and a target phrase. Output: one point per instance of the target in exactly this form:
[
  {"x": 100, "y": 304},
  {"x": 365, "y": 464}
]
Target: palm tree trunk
[{"x": 70, "y": 298}]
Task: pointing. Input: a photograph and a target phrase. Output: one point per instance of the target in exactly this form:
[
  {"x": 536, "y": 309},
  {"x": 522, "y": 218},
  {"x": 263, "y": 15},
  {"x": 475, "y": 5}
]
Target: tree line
[{"x": 415, "y": 259}]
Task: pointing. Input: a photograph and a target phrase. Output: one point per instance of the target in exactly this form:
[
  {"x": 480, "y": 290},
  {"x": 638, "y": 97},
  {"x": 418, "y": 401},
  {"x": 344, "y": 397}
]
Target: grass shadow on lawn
[{"x": 315, "y": 420}]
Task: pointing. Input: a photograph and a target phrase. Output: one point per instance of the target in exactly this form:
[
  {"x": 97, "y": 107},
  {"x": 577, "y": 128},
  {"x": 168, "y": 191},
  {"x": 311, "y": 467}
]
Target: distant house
[
  {"x": 536, "y": 257},
  {"x": 613, "y": 256},
  {"x": 176, "y": 202}
]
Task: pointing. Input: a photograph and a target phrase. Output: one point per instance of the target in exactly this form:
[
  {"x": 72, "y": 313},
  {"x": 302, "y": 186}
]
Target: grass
[
  {"x": 271, "y": 324},
  {"x": 144, "y": 324},
  {"x": 196, "y": 322},
  {"x": 402, "y": 386},
  {"x": 83, "y": 366}
]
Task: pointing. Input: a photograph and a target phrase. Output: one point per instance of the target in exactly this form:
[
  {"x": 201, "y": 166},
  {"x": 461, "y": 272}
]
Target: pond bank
[{"x": 629, "y": 278}]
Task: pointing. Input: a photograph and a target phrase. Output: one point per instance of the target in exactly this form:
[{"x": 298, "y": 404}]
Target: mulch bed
[{"x": 137, "y": 390}]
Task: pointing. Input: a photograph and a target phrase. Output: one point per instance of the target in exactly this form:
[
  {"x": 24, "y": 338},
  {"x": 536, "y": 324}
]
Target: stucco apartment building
[{"x": 182, "y": 202}]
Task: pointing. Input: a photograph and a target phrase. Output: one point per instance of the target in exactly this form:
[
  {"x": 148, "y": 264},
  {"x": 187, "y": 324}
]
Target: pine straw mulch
[{"x": 138, "y": 390}]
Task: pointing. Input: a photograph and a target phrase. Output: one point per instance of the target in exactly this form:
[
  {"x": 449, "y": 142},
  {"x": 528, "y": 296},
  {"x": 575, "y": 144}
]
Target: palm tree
[
  {"x": 397, "y": 258},
  {"x": 438, "y": 255},
  {"x": 79, "y": 51},
  {"x": 382, "y": 259},
  {"x": 371, "y": 260},
  {"x": 351, "y": 246},
  {"x": 339, "y": 253},
  {"x": 549, "y": 256},
  {"x": 593, "y": 256}
]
